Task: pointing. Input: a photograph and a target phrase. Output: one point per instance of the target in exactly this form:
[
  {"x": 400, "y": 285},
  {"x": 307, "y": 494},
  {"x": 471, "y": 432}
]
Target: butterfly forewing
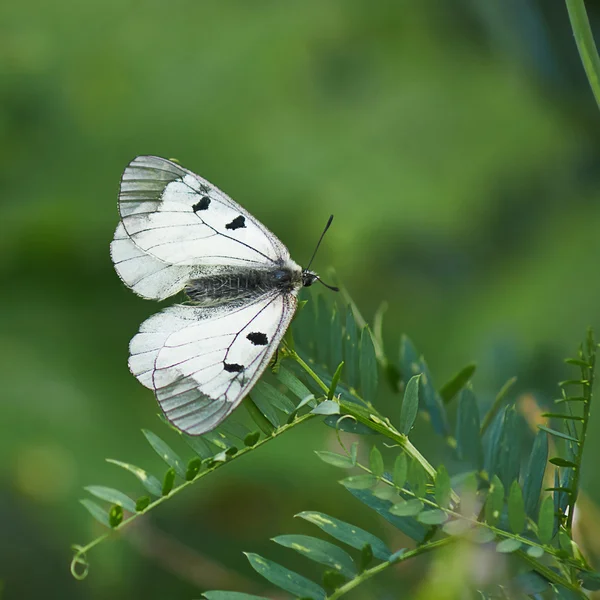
[
  {"x": 180, "y": 218},
  {"x": 179, "y": 231}
]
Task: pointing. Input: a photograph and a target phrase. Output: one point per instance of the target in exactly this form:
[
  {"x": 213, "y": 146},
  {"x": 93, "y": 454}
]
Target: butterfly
[{"x": 178, "y": 232}]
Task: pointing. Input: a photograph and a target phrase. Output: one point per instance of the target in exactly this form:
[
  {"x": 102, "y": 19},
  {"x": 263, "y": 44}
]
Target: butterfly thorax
[{"x": 231, "y": 284}]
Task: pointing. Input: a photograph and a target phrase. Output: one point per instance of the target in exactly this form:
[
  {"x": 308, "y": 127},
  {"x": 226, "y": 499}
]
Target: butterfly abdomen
[{"x": 242, "y": 284}]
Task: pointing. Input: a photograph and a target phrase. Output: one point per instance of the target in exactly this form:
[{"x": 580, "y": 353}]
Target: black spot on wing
[
  {"x": 202, "y": 204},
  {"x": 232, "y": 367},
  {"x": 258, "y": 338},
  {"x": 237, "y": 223}
]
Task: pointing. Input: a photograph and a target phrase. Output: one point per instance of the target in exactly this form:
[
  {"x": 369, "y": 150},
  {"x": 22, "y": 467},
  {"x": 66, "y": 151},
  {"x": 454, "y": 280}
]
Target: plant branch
[
  {"x": 81, "y": 551},
  {"x": 359, "y": 579},
  {"x": 585, "y": 44},
  {"x": 587, "y": 376},
  {"x": 375, "y": 421}
]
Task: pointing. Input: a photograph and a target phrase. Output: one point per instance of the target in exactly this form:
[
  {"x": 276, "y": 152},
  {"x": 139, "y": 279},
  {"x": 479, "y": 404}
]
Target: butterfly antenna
[
  {"x": 331, "y": 287},
  {"x": 319, "y": 242}
]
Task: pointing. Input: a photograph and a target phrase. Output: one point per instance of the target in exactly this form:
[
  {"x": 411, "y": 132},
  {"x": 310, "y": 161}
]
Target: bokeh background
[{"x": 457, "y": 144}]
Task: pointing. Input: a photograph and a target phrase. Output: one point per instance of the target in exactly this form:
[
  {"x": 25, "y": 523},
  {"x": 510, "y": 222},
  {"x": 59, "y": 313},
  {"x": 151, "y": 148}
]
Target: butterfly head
[{"x": 308, "y": 277}]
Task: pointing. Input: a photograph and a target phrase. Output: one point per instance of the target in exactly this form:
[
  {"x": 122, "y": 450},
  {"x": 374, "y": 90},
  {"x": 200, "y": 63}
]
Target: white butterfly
[{"x": 179, "y": 232}]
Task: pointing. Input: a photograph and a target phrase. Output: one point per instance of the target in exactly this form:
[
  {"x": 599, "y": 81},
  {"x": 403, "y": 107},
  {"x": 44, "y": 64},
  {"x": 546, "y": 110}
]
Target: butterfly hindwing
[{"x": 201, "y": 362}]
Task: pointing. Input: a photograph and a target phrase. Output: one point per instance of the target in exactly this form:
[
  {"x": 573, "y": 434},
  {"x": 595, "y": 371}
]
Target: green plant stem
[
  {"x": 585, "y": 44},
  {"x": 80, "y": 551},
  {"x": 360, "y": 579},
  {"x": 475, "y": 522},
  {"x": 587, "y": 374},
  {"x": 372, "y": 419}
]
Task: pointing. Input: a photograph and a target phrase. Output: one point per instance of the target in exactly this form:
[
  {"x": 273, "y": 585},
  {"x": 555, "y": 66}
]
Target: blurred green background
[{"x": 457, "y": 145}]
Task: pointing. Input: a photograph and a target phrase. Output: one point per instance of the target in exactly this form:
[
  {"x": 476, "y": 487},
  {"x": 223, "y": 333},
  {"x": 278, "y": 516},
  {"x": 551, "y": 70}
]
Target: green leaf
[
  {"x": 287, "y": 580},
  {"x": 530, "y": 583},
  {"x": 481, "y": 535},
  {"x": 450, "y": 389},
  {"x": 508, "y": 545},
  {"x": 220, "y": 439},
  {"x": 559, "y": 434},
  {"x": 492, "y": 441},
  {"x": 335, "y": 380},
  {"x": 216, "y": 595},
  {"x": 546, "y": 520},
  {"x": 275, "y": 397},
  {"x": 577, "y": 362},
  {"x": 198, "y": 445},
  {"x": 562, "y": 416},
  {"x": 354, "y": 452},
  {"x": 193, "y": 468},
  {"x": 565, "y": 542},
  {"x": 336, "y": 336},
  {"x": 400, "y": 470},
  {"x": 359, "y": 482},
  {"x": 346, "y": 533},
  {"x": 407, "y": 508},
  {"x": 112, "y": 496},
  {"x": 562, "y": 462},
  {"x": 417, "y": 479},
  {"x": 456, "y": 528},
  {"x": 168, "y": 482},
  {"x": 366, "y": 557},
  {"x": 337, "y": 460},
  {"x": 467, "y": 430},
  {"x": 509, "y": 453},
  {"x": 432, "y": 517},
  {"x": 115, "y": 515},
  {"x": 265, "y": 407},
  {"x": 165, "y": 452},
  {"x": 293, "y": 384},
  {"x": 333, "y": 580},
  {"x": 534, "y": 475},
  {"x": 258, "y": 417},
  {"x": 411, "y": 364},
  {"x": 327, "y": 407},
  {"x": 410, "y": 405},
  {"x": 96, "y": 511},
  {"x": 320, "y": 551},
  {"x": 443, "y": 489},
  {"x": 497, "y": 404},
  {"x": 535, "y": 551},
  {"x": 233, "y": 428},
  {"x": 408, "y": 525},
  {"x": 351, "y": 349},
  {"x": 252, "y": 438},
  {"x": 494, "y": 501},
  {"x": 384, "y": 493},
  {"x": 141, "y": 504},
  {"x": 368, "y": 366},
  {"x": 376, "y": 462},
  {"x": 590, "y": 581},
  {"x": 516, "y": 508},
  {"x": 151, "y": 483}
]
